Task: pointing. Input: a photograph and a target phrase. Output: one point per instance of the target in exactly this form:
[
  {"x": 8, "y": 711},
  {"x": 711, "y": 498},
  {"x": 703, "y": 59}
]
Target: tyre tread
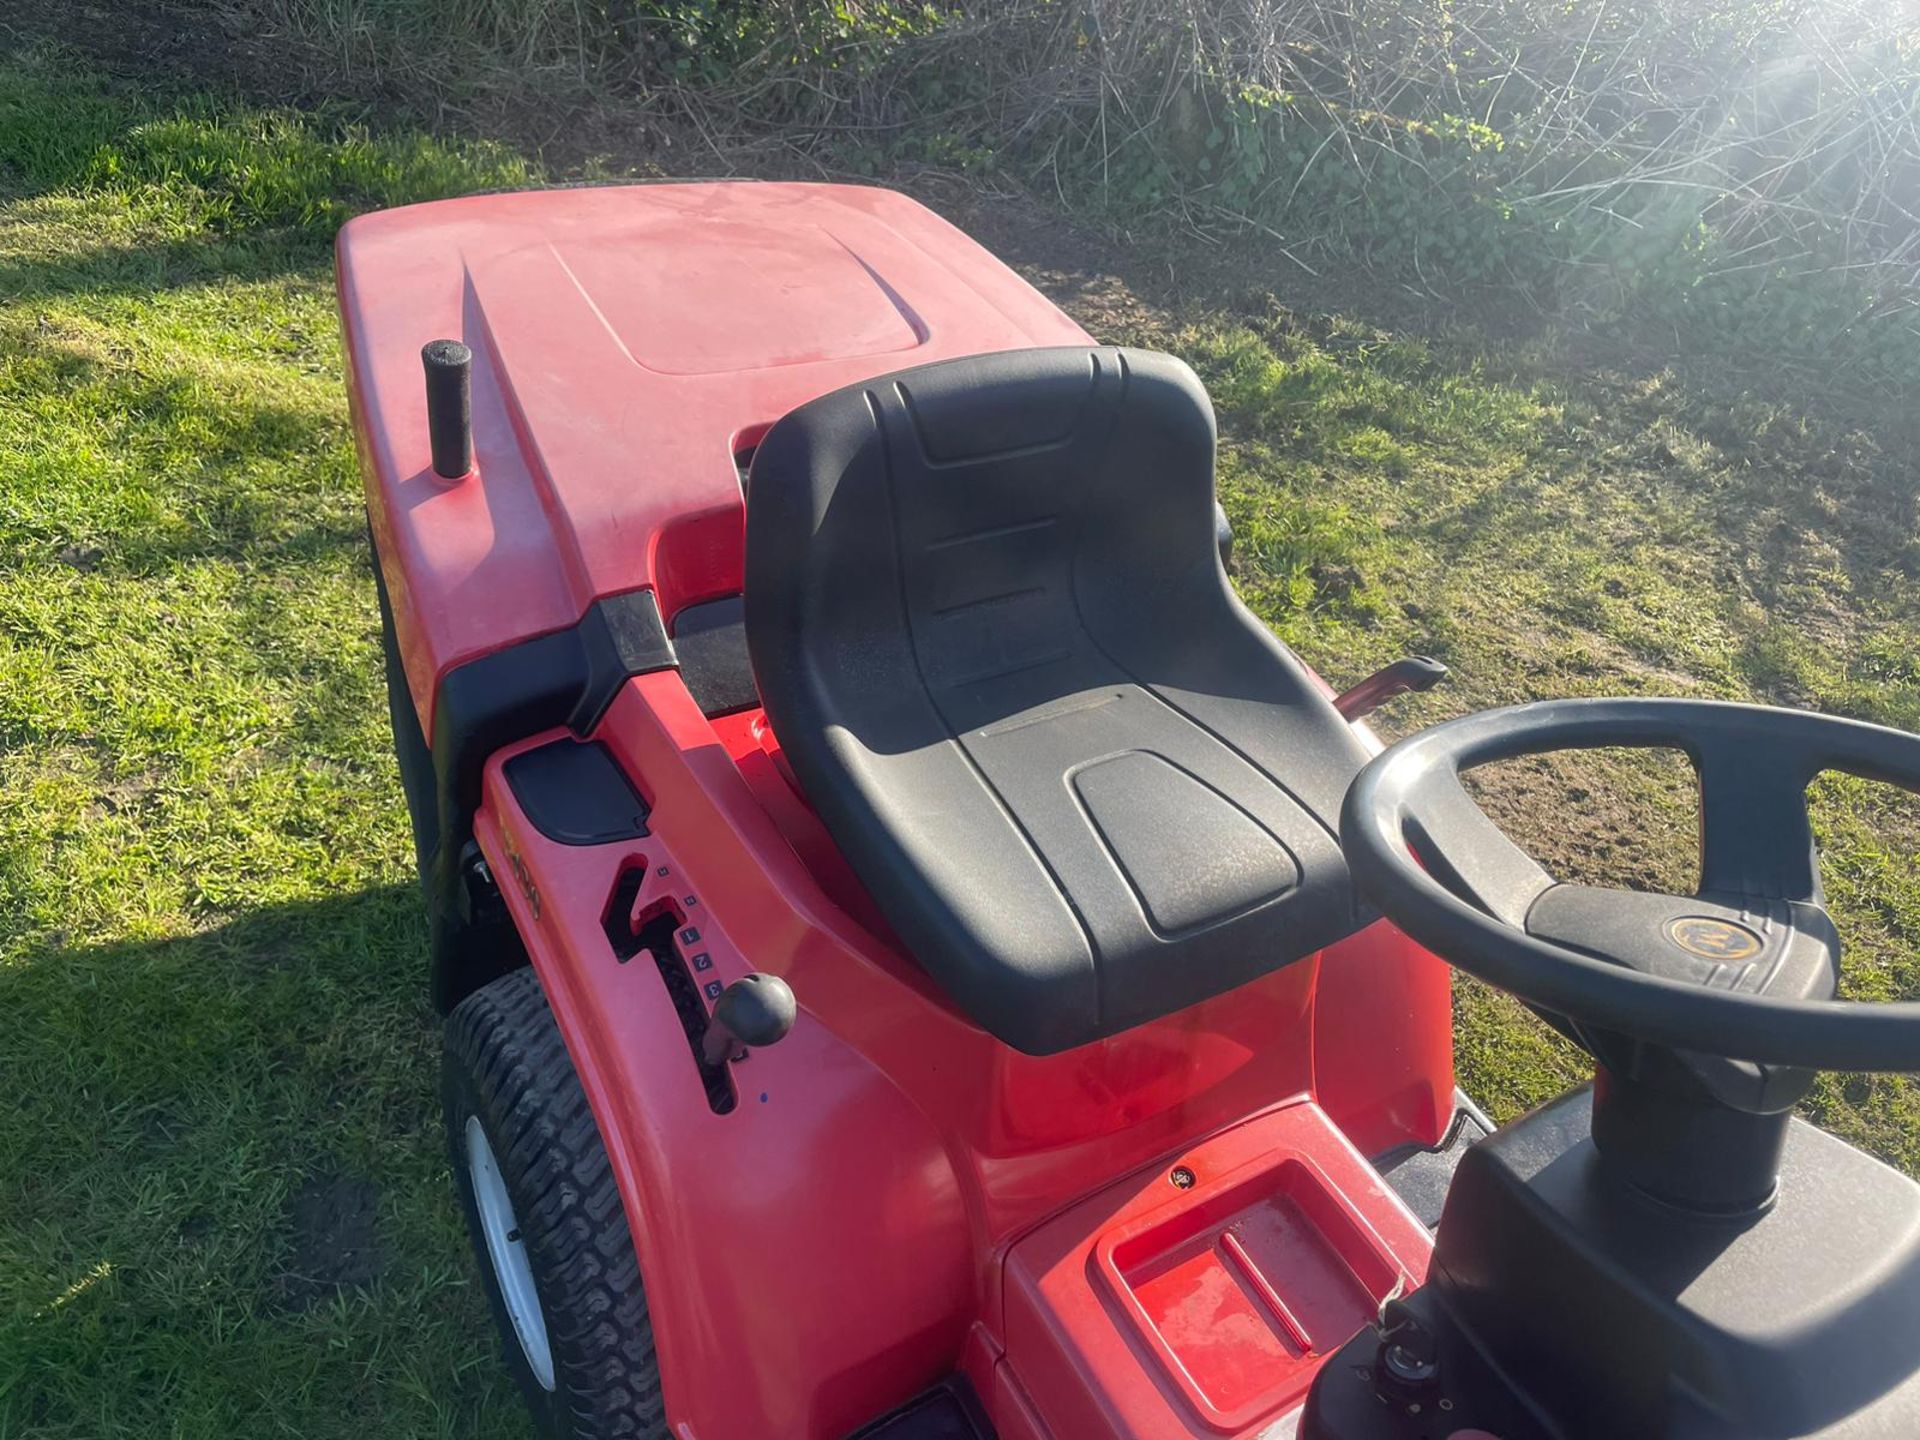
[{"x": 504, "y": 1038}]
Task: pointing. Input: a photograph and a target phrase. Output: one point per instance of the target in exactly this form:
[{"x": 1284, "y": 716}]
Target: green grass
[
  {"x": 224, "y": 1208},
  {"x": 210, "y": 953}
]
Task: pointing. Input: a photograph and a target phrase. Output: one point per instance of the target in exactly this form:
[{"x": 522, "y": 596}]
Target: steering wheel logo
[{"x": 1712, "y": 939}]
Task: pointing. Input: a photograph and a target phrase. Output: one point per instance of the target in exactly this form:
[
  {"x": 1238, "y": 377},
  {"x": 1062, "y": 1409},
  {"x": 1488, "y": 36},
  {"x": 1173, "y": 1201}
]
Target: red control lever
[{"x": 1417, "y": 672}]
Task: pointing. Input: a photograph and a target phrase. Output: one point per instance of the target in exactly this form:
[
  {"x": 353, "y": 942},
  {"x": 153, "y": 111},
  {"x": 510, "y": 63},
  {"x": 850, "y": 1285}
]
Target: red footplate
[{"x": 1200, "y": 1299}]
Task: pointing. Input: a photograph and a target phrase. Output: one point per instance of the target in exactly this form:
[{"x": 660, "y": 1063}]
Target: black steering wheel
[{"x": 1746, "y": 968}]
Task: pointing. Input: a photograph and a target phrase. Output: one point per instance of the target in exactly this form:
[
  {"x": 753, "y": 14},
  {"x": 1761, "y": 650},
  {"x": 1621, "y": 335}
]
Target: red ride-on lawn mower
[{"x": 908, "y": 969}]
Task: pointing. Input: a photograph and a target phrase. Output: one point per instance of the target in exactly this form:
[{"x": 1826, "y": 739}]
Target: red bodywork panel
[{"x": 896, "y": 1194}]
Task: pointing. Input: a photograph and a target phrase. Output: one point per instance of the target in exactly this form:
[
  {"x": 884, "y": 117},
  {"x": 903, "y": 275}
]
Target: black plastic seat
[{"x": 993, "y": 635}]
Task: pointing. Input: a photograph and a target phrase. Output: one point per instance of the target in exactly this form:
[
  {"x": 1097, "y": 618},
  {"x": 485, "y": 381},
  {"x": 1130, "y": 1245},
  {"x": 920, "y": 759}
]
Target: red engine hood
[{"x": 627, "y": 341}]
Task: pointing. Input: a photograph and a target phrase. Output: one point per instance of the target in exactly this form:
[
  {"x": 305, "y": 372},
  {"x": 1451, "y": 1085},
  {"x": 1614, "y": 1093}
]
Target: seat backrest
[{"x": 991, "y": 630}]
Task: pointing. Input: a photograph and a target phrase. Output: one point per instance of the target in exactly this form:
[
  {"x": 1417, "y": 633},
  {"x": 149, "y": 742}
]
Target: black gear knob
[{"x": 752, "y": 1012}]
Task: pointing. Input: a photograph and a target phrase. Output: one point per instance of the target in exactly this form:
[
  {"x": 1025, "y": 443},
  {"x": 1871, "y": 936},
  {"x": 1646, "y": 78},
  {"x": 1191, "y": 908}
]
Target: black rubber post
[{"x": 449, "y": 366}]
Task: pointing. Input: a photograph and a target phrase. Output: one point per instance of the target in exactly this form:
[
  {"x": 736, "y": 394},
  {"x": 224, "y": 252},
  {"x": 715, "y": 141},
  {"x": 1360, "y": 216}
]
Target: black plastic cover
[
  {"x": 577, "y": 793},
  {"x": 1618, "y": 1316},
  {"x": 991, "y": 628}
]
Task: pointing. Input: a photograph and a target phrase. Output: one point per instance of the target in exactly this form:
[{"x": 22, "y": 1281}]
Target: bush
[{"x": 1748, "y": 168}]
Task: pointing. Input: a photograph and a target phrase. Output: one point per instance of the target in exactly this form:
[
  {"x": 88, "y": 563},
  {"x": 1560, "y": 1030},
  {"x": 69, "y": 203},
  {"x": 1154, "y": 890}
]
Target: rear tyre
[{"x": 548, "y": 1228}]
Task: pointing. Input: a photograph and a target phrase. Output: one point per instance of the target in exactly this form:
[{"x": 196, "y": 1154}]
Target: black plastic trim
[
  {"x": 568, "y": 677},
  {"x": 948, "y": 1411},
  {"x": 1565, "y": 1304},
  {"x": 620, "y": 637}
]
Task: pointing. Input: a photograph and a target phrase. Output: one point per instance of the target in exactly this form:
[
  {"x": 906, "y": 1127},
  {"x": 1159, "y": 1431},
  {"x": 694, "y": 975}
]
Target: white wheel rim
[{"x": 508, "y": 1253}]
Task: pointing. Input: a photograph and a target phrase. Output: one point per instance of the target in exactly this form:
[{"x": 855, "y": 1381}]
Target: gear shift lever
[{"x": 752, "y": 1012}]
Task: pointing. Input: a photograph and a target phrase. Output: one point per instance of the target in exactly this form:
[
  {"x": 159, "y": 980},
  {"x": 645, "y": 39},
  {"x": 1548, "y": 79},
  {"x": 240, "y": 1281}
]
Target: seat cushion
[{"x": 992, "y": 633}]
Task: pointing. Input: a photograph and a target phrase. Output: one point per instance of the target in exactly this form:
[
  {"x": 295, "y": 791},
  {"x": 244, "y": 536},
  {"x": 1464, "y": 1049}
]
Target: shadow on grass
[
  {"x": 145, "y": 269},
  {"x": 158, "y": 1049},
  {"x": 223, "y": 1197}
]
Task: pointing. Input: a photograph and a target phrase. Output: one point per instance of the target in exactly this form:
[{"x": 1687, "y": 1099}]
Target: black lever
[
  {"x": 1403, "y": 677},
  {"x": 752, "y": 1012}
]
